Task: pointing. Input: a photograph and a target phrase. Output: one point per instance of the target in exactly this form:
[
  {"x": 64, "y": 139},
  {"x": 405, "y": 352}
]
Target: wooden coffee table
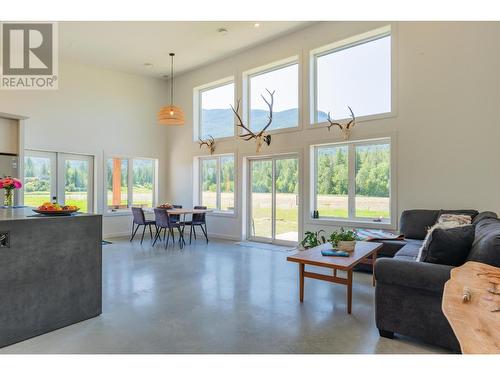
[{"x": 364, "y": 252}]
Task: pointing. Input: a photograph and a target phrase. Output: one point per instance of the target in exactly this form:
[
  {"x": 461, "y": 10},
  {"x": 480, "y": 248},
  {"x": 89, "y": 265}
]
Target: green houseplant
[
  {"x": 344, "y": 239},
  {"x": 312, "y": 239}
]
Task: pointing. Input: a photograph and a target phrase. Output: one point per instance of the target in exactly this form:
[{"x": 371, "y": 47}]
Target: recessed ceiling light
[
  {"x": 222, "y": 31},
  {"x": 256, "y": 25},
  {"x": 148, "y": 65}
]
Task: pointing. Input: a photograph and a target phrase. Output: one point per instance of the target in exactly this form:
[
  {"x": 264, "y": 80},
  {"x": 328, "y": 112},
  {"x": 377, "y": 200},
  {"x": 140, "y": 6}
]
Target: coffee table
[{"x": 364, "y": 252}]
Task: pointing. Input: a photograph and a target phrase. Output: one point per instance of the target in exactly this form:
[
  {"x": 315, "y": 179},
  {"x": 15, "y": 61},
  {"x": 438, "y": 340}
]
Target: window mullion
[
  {"x": 130, "y": 200},
  {"x": 218, "y": 199},
  {"x": 351, "y": 184}
]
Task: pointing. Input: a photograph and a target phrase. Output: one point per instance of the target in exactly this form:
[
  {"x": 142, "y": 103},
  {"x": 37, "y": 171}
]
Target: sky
[{"x": 359, "y": 77}]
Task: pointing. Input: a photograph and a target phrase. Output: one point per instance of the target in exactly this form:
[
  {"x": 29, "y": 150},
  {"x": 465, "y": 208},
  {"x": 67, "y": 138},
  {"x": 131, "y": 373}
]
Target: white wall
[
  {"x": 447, "y": 94},
  {"x": 96, "y": 112}
]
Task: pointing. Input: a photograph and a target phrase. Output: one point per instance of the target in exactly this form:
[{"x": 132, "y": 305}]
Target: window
[
  {"x": 284, "y": 81},
  {"x": 355, "y": 73},
  {"x": 130, "y": 182},
  {"x": 216, "y": 118},
  {"x": 217, "y": 182},
  {"x": 353, "y": 180}
]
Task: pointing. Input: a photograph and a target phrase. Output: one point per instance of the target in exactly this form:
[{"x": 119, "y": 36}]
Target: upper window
[
  {"x": 355, "y": 74},
  {"x": 216, "y": 118},
  {"x": 352, "y": 180},
  {"x": 130, "y": 182},
  {"x": 284, "y": 81},
  {"x": 217, "y": 182}
]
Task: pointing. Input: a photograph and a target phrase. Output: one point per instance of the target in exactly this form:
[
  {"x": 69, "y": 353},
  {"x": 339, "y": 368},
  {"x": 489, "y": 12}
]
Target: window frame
[
  {"x": 199, "y": 185},
  {"x": 352, "y": 219},
  {"x": 276, "y": 65},
  {"x": 197, "y": 106},
  {"x": 359, "y": 39},
  {"x": 108, "y": 210}
]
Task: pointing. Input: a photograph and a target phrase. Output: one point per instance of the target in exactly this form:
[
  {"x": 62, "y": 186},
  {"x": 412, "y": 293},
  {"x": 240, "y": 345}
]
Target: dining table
[{"x": 183, "y": 212}]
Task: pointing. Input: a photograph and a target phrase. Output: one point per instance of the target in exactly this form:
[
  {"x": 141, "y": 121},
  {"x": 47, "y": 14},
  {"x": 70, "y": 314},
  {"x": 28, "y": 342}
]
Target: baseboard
[
  {"x": 210, "y": 235},
  {"x": 223, "y": 236},
  {"x": 116, "y": 235}
]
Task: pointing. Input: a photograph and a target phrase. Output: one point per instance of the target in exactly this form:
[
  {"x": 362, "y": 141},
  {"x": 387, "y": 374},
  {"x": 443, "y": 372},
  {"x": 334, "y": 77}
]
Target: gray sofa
[{"x": 408, "y": 293}]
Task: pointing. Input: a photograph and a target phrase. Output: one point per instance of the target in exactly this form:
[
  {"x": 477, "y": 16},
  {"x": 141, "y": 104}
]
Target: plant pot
[{"x": 346, "y": 246}]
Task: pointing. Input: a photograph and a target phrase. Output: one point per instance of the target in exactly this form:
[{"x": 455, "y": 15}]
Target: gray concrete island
[{"x": 50, "y": 272}]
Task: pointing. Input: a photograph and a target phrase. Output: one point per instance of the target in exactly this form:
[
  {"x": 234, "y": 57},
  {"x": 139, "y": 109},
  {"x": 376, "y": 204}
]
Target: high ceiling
[{"x": 128, "y": 46}]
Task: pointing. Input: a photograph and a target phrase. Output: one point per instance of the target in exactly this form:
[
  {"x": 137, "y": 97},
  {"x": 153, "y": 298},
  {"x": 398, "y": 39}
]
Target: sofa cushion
[
  {"x": 390, "y": 247},
  {"x": 414, "y": 223},
  {"x": 486, "y": 246},
  {"x": 484, "y": 215},
  {"x": 410, "y": 250},
  {"x": 448, "y": 246}
]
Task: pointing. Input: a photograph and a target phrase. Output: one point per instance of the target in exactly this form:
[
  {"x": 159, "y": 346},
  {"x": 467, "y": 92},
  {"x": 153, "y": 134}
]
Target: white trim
[
  {"x": 197, "y": 187},
  {"x": 197, "y": 105},
  {"x": 352, "y": 220},
  {"x": 130, "y": 179},
  {"x": 223, "y": 236},
  {"x": 366, "y": 37}
]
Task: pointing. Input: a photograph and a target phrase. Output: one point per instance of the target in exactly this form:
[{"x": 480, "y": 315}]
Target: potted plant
[
  {"x": 313, "y": 239},
  {"x": 344, "y": 240},
  {"x": 9, "y": 184}
]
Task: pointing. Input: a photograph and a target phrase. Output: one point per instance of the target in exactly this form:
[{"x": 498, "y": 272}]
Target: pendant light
[{"x": 171, "y": 114}]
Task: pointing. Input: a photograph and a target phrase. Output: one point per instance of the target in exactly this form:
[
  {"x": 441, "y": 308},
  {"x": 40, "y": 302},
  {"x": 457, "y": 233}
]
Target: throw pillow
[
  {"x": 445, "y": 221},
  {"x": 449, "y": 246}
]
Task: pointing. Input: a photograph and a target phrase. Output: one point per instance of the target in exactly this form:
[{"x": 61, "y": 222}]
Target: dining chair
[
  {"x": 139, "y": 219},
  {"x": 198, "y": 220},
  {"x": 164, "y": 222},
  {"x": 176, "y": 218}
]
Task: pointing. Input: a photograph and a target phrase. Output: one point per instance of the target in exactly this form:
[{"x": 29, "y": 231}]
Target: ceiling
[{"x": 128, "y": 46}]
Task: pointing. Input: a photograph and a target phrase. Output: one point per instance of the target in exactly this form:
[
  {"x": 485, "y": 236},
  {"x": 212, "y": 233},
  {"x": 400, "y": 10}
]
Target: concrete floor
[{"x": 219, "y": 298}]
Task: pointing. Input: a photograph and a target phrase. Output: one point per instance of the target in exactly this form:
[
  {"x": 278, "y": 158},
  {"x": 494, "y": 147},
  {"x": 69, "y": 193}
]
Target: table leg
[
  {"x": 349, "y": 291},
  {"x": 374, "y": 258},
  {"x": 334, "y": 272},
  {"x": 301, "y": 278}
]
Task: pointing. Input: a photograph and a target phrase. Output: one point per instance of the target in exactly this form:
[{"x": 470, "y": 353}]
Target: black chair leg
[
  {"x": 194, "y": 231},
  {"x": 157, "y": 235},
  {"x": 150, "y": 232},
  {"x": 204, "y": 230},
  {"x": 133, "y": 232},
  {"x": 143, "y": 231},
  {"x": 190, "y": 233}
]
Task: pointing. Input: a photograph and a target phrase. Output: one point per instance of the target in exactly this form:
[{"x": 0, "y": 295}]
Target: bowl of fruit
[
  {"x": 54, "y": 209},
  {"x": 166, "y": 206}
]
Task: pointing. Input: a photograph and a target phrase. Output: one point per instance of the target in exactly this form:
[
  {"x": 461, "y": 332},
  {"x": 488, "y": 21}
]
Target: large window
[
  {"x": 217, "y": 182},
  {"x": 353, "y": 181},
  {"x": 216, "y": 118},
  {"x": 284, "y": 81},
  {"x": 355, "y": 73},
  {"x": 130, "y": 182}
]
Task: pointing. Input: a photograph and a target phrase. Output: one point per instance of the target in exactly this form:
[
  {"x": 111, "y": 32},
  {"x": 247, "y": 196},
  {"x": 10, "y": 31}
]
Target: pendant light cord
[{"x": 172, "y": 78}]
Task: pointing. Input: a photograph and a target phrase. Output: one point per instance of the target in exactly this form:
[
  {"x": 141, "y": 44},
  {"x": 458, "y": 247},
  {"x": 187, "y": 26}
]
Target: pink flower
[{"x": 17, "y": 184}]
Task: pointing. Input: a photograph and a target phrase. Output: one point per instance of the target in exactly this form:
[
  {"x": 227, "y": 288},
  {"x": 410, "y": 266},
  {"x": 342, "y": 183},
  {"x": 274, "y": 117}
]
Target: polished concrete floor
[{"x": 219, "y": 298}]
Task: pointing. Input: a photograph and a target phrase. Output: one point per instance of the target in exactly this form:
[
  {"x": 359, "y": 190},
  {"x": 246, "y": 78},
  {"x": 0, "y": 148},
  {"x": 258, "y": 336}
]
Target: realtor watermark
[{"x": 29, "y": 56}]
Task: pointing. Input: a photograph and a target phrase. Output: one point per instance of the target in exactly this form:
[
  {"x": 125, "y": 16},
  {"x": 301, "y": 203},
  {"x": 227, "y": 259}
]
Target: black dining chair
[
  {"x": 197, "y": 220},
  {"x": 175, "y": 218},
  {"x": 165, "y": 222},
  {"x": 140, "y": 219}
]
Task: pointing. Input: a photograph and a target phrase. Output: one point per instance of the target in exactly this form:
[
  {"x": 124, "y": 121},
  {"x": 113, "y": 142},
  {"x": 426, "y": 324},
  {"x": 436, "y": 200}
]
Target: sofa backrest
[
  {"x": 415, "y": 223},
  {"x": 486, "y": 245}
]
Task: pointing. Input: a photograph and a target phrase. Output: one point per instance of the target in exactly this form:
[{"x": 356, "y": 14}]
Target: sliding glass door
[
  {"x": 67, "y": 178},
  {"x": 273, "y": 199}
]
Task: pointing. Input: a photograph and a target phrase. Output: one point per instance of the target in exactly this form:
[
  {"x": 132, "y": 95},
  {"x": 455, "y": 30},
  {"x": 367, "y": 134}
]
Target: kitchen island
[{"x": 50, "y": 272}]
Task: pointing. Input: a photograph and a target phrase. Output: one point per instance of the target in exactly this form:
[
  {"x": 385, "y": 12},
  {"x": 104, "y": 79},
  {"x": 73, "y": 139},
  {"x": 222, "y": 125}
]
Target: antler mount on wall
[
  {"x": 209, "y": 142},
  {"x": 344, "y": 128},
  {"x": 260, "y": 137}
]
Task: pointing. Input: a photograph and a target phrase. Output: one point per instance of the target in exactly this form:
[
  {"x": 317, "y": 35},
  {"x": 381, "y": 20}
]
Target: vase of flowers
[{"x": 9, "y": 184}]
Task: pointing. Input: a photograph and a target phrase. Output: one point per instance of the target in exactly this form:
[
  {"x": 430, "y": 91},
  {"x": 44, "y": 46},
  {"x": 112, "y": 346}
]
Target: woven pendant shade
[{"x": 171, "y": 115}]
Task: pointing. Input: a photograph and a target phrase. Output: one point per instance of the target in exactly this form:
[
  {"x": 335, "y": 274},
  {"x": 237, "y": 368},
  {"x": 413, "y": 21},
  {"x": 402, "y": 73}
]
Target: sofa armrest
[{"x": 419, "y": 275}]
